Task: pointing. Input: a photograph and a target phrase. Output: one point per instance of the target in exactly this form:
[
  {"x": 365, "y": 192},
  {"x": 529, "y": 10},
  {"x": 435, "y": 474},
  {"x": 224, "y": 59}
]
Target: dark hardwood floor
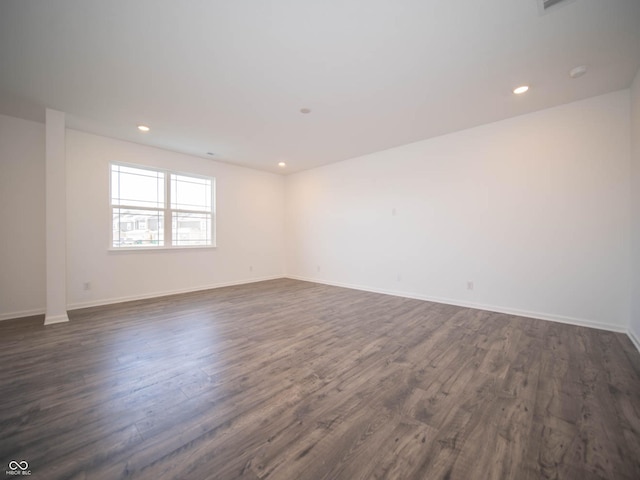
[{"x": 294, "y": 380}]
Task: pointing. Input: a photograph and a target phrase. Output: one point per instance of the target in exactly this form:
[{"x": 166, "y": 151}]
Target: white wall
[
  {"x": 22, "y": 231},
  {"x": 634, "y": 325},
  {"x": 534, "y": 210},
  {"x": 250, "y": 226}
]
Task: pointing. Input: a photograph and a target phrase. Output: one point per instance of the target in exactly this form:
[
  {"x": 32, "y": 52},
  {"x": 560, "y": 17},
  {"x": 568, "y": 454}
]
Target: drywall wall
[
  {"x": 22, "y": 230},
  {"x": 533, "y": 210},
  {"x": 634, "y": 324},
  {"x": 249, "y": 224}
]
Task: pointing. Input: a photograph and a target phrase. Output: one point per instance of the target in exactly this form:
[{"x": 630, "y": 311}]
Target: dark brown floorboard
[{"x": 294, "y": 380}]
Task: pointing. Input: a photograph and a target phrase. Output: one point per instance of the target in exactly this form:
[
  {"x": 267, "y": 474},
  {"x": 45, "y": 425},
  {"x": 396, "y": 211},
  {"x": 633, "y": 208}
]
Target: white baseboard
[
  {"x": 492, "y": 308},
  {"x": 145, "y": 296},
  {"x": 634, "y": 339},
  {"x": 51, "y": 319},
  {"x": 21, "y": 314},
  {"x": 460, "y": 303}
]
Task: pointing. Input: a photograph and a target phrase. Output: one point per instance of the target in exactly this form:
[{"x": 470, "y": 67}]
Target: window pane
[
  {"x": 191, "y": 229},
  {"x": 142, "y": 212},
  {"x": 137, "y": 228},
  {"x": 137, "y": 187},
  {"x": 190, "y": 193}
]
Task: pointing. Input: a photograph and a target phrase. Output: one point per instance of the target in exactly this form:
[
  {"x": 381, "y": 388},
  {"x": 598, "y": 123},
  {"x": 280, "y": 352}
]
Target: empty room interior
[{"x": 323, "y": 240}]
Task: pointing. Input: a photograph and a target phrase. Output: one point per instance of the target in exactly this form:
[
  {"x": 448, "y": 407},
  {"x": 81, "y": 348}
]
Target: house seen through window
[{"x": 159, "y": 208}]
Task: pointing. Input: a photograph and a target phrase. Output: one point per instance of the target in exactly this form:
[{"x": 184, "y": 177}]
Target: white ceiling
[{"x": 230, "y": 76}]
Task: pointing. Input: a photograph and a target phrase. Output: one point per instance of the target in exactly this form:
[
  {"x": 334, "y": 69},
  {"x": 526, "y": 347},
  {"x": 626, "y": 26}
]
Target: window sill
[{"x": 160, "y": 249}]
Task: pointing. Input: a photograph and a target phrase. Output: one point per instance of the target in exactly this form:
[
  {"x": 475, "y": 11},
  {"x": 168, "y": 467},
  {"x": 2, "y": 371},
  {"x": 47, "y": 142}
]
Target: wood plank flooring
[{"x": 294, "y": 380}]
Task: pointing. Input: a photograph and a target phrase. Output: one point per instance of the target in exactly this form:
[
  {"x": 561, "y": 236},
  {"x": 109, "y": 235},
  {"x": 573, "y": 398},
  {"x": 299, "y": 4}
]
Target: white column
[{"x": 56, "y": 218}]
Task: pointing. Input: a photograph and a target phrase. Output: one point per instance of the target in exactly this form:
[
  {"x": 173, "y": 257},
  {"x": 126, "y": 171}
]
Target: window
[{"x": 157, "y": 208}]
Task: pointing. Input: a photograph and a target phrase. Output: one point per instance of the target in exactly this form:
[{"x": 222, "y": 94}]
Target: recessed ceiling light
[
  {"x": 210, "y": 153},
  {"x": 143, "y": 128},
  {"x": 578, "y": 71},
  {"x": 521, "y": 89},
  {"x": 305, "y": 110},
  {"x": 282, "y": 164}
]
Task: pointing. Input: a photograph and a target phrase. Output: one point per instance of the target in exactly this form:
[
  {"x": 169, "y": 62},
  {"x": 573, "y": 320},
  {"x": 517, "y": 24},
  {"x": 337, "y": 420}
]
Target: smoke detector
[{"x": 578, "y": 71}]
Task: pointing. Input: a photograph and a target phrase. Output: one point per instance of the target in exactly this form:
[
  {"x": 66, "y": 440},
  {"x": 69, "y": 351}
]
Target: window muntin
[
  {"x": 155, "y": 208},
  {"x": 190, "y": 193},
  {"x": 137, "y": 187}
]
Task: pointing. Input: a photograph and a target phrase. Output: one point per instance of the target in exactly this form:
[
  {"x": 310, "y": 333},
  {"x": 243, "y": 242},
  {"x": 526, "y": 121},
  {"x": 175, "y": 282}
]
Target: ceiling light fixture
[
  {"x": 143, "y": 128},
  {"x": 210, "y": 154},
  {"x": 305, "y": 110},
  {"x": 521, "y": 89},
  {"x": 282, "y": 164}
]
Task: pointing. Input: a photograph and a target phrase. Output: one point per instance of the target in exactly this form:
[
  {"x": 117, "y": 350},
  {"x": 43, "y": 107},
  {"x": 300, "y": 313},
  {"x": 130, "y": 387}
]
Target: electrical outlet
[
  {"x": 318, "y": 268},
  {"x": 86, "y": 286},
  {"x": 251, "y": 268},
  {"x": 469, "y": 285},
  {"x": 399, "y": 277}
]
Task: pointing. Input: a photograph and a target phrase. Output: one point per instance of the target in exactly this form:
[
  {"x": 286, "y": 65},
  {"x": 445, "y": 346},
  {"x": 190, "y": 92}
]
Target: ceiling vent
[
  {"x": 544, "y": 6},
  {"x": 549, "y": 3}
]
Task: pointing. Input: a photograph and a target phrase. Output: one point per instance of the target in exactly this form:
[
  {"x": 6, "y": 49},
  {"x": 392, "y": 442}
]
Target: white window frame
[{"x": 167, "y": 211}]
